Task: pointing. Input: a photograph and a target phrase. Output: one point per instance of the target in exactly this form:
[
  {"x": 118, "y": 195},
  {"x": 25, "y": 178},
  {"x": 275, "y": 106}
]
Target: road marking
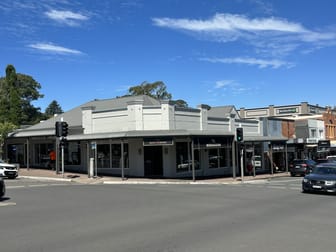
[
  {"x": 12, "y": 187},
  {"x": 2, "y": 204},
  {"x": 32, "y": 186},
  {"x": 40, "y": 185}
]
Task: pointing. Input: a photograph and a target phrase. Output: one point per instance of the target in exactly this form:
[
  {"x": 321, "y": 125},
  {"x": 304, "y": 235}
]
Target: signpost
[{"x": 61, "y": 131}]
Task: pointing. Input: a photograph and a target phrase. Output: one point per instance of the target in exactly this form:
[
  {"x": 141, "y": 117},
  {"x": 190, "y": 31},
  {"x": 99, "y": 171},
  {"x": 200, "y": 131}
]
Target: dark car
[
  {"x": 301, "y": 167},
  {"x": 321, "y": 179},
  {"x": 2, "y": 188}
]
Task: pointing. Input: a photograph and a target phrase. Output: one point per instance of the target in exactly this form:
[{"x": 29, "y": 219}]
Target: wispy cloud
[
  {"x": 66, "y": 17},
  {"x": 269, "y": 34},
  {"x": 228, "y": 88},
  {"x": 229, "y": 22},
  {"x": 224, "y": 83},
  {"x": 54, "y": 49},
  {"x": 261, "y": 63}
]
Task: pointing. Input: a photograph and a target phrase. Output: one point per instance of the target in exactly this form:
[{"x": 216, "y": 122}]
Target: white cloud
[
  {"x": 51, "y": 48},
  {"x": 261, "y": 63},
  {"x": 229, "y": 88},
  {"x": 275, "y": 36},
  {"x": 66, "y": 17},
  {"x": 223, "y": 83},
  {"x": 229, "y": 22}
]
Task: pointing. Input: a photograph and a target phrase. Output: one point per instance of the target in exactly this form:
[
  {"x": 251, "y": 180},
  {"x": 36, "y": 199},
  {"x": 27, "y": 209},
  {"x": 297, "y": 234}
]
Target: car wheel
[{"x": 3, "y": 192}]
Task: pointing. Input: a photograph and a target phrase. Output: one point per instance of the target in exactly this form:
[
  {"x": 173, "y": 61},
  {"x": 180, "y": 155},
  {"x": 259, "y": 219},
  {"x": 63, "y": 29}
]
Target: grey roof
[
  {"x": 74, "y": 116},
  {"x": 222, "y": 111}
]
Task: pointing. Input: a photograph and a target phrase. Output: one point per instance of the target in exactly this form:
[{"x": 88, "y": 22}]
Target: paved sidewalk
[{"x": 44, "y": 174}]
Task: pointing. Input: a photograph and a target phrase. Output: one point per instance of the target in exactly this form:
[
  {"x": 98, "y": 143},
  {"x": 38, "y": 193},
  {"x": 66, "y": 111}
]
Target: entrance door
[{"x": 153, "y": 161}]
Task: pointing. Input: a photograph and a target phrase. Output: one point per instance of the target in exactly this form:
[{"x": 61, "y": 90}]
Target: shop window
[
  {"x": 116, "y": 155},
  {"x": 72, "y": 153},
  {"x": 16, "y": 153},
  {"x": 109, "y": 156},
  {"x": 219, "y": 158},
  {"x": 41, "y": 154},
  {"x": 183, "y": 157},
  {"x": 103, "y": 156}
]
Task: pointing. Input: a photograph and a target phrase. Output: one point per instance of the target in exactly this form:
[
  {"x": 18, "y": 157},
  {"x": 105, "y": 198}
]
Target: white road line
[
  {"x": 2, "y": 204},
  {"x": 13, "y": 187},
  {"x": 40, "y": 185}
]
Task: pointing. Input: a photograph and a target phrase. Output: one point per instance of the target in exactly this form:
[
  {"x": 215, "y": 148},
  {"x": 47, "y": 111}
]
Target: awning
[
  {"x": 264, "y": 139},
  {"x": 149, "y": 133}
]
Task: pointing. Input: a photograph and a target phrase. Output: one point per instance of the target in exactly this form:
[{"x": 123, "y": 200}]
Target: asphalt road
[{"x": 260, "y": 216}]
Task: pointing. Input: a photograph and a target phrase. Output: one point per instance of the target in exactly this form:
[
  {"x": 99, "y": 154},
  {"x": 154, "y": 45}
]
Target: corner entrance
[{"x": 153, "y": 161}]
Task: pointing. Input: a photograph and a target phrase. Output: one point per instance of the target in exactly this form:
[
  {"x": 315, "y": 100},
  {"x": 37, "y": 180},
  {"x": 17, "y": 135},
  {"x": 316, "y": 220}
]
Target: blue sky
[{"x": 246, "y": 53}]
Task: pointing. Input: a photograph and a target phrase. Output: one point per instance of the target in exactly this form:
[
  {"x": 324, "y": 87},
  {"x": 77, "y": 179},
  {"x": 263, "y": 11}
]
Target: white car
[{"x": 8, "y": 170}]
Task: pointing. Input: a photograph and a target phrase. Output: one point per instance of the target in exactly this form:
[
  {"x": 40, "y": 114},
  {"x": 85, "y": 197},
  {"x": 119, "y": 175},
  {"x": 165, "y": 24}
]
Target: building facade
[
  {"x": 315, "y": 127},
  {"x": 142, "y": 137}
]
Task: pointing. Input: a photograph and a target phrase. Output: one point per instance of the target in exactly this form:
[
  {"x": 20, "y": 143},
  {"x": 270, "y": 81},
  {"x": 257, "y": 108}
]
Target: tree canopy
[
  {"x": 157, "y": 90},
  {"x": 53, "y": 108},
  {"x": 17, "y": 91}
]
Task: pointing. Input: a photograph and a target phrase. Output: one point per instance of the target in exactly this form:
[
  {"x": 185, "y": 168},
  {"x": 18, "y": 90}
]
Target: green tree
[
  {"x": 156, "y": 90},
  {"x": 17, "y": 91},
  {"x": 180, "y": 103},
  {"x": 10, "y": 101},
  {"x": 5, "y": 129},
  {"x": 53, "y": 108},
  {"x": 29, "y": 92}
]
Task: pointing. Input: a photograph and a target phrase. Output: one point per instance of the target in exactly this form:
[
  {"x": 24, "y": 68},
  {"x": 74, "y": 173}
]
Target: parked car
[
  {"x": 8, "y": 170},
  {"x": 325, "y": 160},
  {"x": 331, "y": 158},
  {"x": 321, "y": 179},
  {"x": 256, "y": 161},
  {"x": 301, "y": 166},
  {"x": 2, "y": 188}
]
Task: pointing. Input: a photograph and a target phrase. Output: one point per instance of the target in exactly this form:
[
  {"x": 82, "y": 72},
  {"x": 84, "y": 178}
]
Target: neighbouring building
[{"x": 315, "y": 127}]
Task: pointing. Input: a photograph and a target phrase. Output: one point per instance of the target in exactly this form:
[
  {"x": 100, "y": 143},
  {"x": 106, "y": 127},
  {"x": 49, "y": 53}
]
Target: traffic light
[
  {"x": 58, "y": 129},
  {"x": 240, "y": 134},
  {"x": 63, "y": 142},
  {"x": 64, "y": 129},
  {"x": 61, "y": 129}
]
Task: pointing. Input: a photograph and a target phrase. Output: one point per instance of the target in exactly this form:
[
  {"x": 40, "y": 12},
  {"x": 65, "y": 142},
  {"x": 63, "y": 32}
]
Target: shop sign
[
  {"x": 158, "y": 141},
  {"x": 311, "y": 141},
  {"x": 324, "y": 143},
  {"x": 278, "y": 147},
  {"x": 287, "y": 110},
  {"x": 93, "y": 146},
  {"x": 213, "y": 145},
  {"x": 300, "y": 140}
]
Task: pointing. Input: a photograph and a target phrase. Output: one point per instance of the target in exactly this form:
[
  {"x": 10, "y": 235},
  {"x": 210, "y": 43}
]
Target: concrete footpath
[{"x": 44, "y": 174}]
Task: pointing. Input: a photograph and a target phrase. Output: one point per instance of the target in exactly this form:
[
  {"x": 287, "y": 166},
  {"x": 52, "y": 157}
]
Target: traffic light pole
[
  {"x": 61, "y": 131},
  {"x": 62, "y": 153},
  {"x": 241, "y": 162}
]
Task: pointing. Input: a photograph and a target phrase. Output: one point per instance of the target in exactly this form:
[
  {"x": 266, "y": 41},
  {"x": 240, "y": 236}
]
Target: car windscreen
[{"x": 325, "y": 170}]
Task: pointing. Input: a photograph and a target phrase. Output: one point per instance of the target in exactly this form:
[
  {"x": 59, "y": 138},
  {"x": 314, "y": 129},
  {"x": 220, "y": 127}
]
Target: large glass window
[
  {"x": 103, "y": 156},
  {"x": 16, "y": 153},
  {"x": 116, "y": 155},
  {"x": 183, "y": 157},
  {"x": 41, "y": 154},
  {"x": 109, "y": 155},
  {"x": 72, "y": 153},
  {"x": 219, "y": 157}
]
